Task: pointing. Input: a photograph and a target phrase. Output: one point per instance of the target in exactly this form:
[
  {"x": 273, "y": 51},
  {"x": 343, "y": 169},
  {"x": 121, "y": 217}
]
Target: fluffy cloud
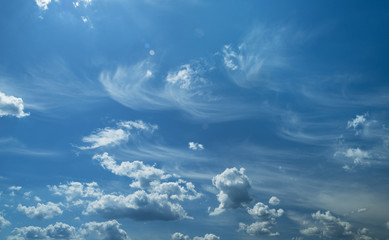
[
  {"x": 233, "y": 186},
  {"x": 15, "y": 188},
  {"x": 357, "y": 123},
  {"x": 11, "y": 106},
  {"x": 73, "y": 191},
  {"x": 327, "y": 225},
  {"x": 104, "y": 230},
  {"x": 91, "y": 230},
  {"x": 184, "y": 77},
  {"x": 208, "y": 236},
  {"x": 86, "y": 3},
  {"x": 4, "y": 222},
  {"x": 179, "y": 190},
  {"x": 274, "y": 201},
  {"x": 195, "y": 146},
  {"x": 140, "y": 206},
  {"x": 114, "y": 136},
  {"x": 41, "y": 211},
  {"x": 43, "y": 4},
  {"x": 143, "y": 174},
  {"x": 266, "y": 219}
]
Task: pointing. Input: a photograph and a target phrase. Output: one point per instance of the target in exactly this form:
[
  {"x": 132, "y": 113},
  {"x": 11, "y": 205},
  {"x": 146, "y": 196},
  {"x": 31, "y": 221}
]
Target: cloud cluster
[
  {"x": 195, "y": 146},
  {"x": 357, "y": 123},
  {"x": 113, "y": 136},
  {"x": 208, "y": 236},
  {"x": 233, "y": 186},
  {"x": 91, "y": 230},
  {"x": 43, "y": 4},
  {"x": 265, "y": 220},
  {"x": 41, "y": 211},
  {"x": 11, "y": 106},
  {"x": 75, "y": 191},
  {"x": 4, "y": 222}
]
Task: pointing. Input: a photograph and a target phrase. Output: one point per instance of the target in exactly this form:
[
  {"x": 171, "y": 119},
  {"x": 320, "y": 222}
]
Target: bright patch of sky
[{"x": 194, "y": 120}]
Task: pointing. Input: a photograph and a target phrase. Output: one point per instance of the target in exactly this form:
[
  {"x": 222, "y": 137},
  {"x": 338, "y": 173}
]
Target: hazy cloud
[{"x": 4, "y": 222}]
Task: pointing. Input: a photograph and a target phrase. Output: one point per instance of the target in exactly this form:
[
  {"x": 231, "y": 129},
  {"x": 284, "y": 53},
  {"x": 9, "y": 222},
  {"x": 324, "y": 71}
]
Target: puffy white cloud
[
  {"x": 143, "y": 174},
  {"x": 73, "y": 191},
  {"x": 357, "y": 122},
  {"x": 86, "y": 3},
  {"x": 184, "y": 77},
  {"x": 104, "y": 230},
  {"x": 327, "y": 225},
  {"x": 4, "y": 222},
  {"x": 266, "y": 219},
  {"x": 233, "y": 186},
  {"x": 195, "y": 146},
  {"x": 179, "y": 190},
  {"x": 179, "y": 236},
  {"x": 43, "y": 4},
  {"x": 41, "y": 211},
  {"x": 274, "y": 201},
  {"x": 140, "y": 206},
  {"x": 208, "y": 236},
  {"x": 113, "y": 136},
  {"x": 91, "y": 230},
  {"x": 11, "y": 106},
  {"x": 15, "y": 188},
  {"x": 359, "y": 156}
]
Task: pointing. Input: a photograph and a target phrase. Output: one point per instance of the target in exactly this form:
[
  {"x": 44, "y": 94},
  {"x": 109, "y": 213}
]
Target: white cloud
[
  {"x": 140, "y": 206},
  {"x": 274, "y": 201},
  {"x": 104, "y": 230},
  {"x": 179, "y": 236},
  {"x": 327, "y": 225},
  {"x": 233, "y": 186},
  {"x": 266, "y": 219},
  {"x": 184, "y": 77},
  {"x": 179, "y": 190},
  {"x": 113, "y": 136},
  {"x": 84, "y": 19},
  {"x": 143, "y": 174},
  {"x": 195, "y": 146},
  {"x": 74, "y": 191},
  {"x": 91, "y": 230},
  {"x": 86, "y": 3},
  {"x": 11, "y": 106},
  {"x": 43, "y": 4},
  {"x": 41, "y": 211},
  {"x": 15, "y": 188},
  {"x": 359, "y": 156},
  {"x": 358, "y": 121},
  {"x": 208, "y": 236},
  {"x": 4, "y": 222}
]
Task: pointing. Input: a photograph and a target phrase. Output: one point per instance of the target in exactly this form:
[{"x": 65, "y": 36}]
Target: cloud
[
  {"x": 15, "y": 188},
  {"x": 274, "y": 201},
  {"x": 184, "y": 89},
  {"x": 73, "y": 191},
  {"x": 41, "y": 211},
  {"x": 113, "y": 136},
  {"x": 266, "y": 219},
  {"x": 140, "y": 206},
  {"x": 233, "y": 186},
  {"x": 195, "y": 146},
  {"x": 143, "y": 174},
  {"x": 91, "y": 230},
  {"x": 11, "y": 106},
  {"x": 357, "y": 122},
  {"x": 358, "y": 156},
  {"x": 179, "y": 190},
  {"x": 208, "y": 236},
  {"x": 327, "y": 225},
  {"x": 86, "y": 3},
  {"x": 104, "y": 230},
  {"x": 43, "y": 4},
  {"x": 387, "y": 224},
  {"x": 4, "y": 222}
]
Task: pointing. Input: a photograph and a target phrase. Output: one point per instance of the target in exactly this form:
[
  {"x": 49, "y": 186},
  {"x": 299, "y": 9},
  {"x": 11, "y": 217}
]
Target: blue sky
[{"x": 194, "y": 119}]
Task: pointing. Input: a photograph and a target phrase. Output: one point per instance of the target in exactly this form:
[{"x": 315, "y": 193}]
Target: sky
[{"x": 194, "y": 120}]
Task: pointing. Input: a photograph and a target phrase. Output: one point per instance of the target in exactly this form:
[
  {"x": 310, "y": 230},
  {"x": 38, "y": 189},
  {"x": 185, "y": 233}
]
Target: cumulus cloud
[
  {"x": 179, "y": 190},
  {"x": 91, "y": 230},
  {"x": 208, "y": 236},
  {"x": 11, "y": 106},
  {"x": 266, "y": 219},
  {"x": 327, "y": 225},
  {"x": 233, "y": 186},
  {"x": 43, "y": 4},
  {"x": 104, "y": 230},
  {"x": 140, "y": 206},
  {"x": 4, "y": 222},
  {"x": 357, "y": 123},
  {"x": 15, "y": 188},
  {"x": 274, "y": 201},
  {"x": 41, "y": 211},
  {"x": 195, "y": 146},
  {"x": 74, "y": 191},
  {"x": 143, "y": 174},
  {"x": 358, "y": 156},
  {"x": 113, "y": 136}
]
